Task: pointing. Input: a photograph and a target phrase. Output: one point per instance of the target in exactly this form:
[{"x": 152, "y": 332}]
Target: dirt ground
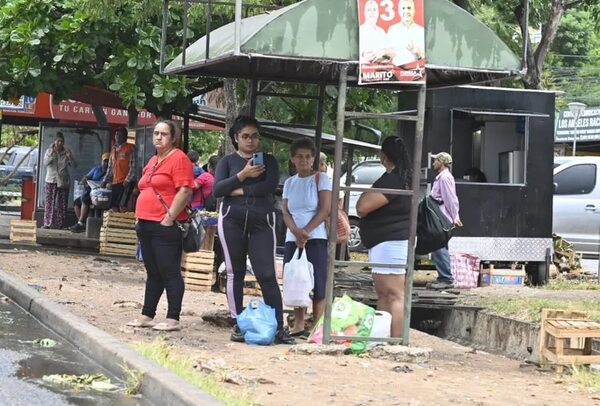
[{"x": 109, "y": 292}]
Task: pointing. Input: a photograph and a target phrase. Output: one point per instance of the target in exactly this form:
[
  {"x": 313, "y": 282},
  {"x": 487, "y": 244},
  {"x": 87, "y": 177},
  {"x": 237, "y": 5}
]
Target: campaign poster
[{"x": 391, "y": 41}]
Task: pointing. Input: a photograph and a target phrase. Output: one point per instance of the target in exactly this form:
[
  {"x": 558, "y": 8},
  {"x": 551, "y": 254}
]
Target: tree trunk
[
  {"x": 100, "y": 115},
  {"x": 536, "y": 59},
  {"x": 132, "y": 115},
  {"x": 231, "y": 112}
]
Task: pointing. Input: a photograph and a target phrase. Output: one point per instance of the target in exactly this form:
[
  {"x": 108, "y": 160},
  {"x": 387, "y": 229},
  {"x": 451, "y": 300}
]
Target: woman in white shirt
[
  {"x": 306, "y": 205},
  {"x": 57, "y": 160}
]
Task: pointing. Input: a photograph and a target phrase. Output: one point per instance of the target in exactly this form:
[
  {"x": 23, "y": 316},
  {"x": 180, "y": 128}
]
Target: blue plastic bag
[{"x": 258, "y": 323}]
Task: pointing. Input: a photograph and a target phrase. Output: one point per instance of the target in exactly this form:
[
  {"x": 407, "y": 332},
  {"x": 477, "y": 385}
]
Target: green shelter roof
[{"x": 308, "y": 40}]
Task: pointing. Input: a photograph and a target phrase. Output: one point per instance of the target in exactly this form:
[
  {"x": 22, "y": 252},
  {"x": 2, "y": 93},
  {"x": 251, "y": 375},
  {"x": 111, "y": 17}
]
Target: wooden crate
[
  {"x": 117, "y": 235},
  {"x": 209, "y": 240},
  {"x": 114, "y": 219},
  {"x": 502, "y": 277},
  {"x": 566, "y": 338},
  {"x": 23, "y": 231},
  {"x": 198, "y": 270}
]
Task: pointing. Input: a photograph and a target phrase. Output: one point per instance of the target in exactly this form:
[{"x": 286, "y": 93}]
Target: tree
[
  {"x": 507, "y": 18},
  {"x": 572, "y": 64},
  {"x": 58, "y": 46}
]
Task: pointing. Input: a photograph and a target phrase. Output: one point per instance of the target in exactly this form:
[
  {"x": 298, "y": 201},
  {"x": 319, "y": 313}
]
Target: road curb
[{"x": 159, "y": 386}]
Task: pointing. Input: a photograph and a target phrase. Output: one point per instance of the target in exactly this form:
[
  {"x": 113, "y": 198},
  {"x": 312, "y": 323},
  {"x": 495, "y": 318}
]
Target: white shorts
[{"x": 389, "y": 252}]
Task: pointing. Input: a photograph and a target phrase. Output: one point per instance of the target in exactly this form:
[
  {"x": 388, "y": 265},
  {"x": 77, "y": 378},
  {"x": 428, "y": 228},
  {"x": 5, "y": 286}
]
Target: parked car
[
  {"x": 576, "y": 202},
  {"x": 17, "y": 153},
  {"x": 364, "y": 174}
]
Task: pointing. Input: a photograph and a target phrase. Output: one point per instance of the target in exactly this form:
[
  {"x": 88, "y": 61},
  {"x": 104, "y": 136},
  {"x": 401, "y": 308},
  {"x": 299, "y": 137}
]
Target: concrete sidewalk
[
  {"x": 159, "y": 386},
  {"x": 51, "y": 238}
]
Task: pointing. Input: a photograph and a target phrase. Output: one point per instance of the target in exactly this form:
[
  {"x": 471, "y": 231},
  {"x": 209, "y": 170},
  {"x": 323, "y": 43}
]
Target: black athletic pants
[
  {"x": 248, "y": 233},
  {"x": 161, "y": 250}
]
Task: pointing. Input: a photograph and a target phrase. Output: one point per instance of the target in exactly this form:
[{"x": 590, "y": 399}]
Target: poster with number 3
[{"x": 391, "y": 41}]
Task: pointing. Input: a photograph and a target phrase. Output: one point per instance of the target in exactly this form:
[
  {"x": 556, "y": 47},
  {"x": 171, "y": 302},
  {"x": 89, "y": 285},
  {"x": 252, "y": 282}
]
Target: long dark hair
[
  {"x": 239, "y": 123},
  {"x": 394, "y": 148}
]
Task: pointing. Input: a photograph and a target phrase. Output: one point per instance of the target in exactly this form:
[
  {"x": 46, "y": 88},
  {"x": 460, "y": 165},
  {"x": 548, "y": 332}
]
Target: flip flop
[
  {"x": 167, "y": 327},
  {"x": 301, "y": 333},
  {"x": 141, "y": 323}
]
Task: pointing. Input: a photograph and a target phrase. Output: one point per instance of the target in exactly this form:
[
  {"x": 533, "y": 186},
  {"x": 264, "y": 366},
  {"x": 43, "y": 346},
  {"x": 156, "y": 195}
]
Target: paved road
[
  {"x": 23, "y": 365},
  {"x": 17, "y": 392}
]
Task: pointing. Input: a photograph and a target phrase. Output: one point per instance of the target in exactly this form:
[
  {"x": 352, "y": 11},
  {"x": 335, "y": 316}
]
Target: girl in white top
[{"x": 306, "y": 205}]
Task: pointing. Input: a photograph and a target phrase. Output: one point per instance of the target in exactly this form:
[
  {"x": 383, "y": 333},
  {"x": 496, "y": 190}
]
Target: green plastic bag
[{"x": 348, "y": 318}]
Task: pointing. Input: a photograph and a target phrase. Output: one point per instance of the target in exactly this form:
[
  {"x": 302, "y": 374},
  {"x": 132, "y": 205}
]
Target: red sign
[
  {"x": 72, "y": 110},
  {"x": 75, "y": 111},
  {"x": 391, "y": 41}
]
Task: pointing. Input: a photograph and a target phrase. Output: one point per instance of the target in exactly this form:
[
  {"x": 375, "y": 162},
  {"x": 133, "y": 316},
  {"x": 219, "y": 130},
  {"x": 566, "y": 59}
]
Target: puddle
[{"x": 23, "y": 364}]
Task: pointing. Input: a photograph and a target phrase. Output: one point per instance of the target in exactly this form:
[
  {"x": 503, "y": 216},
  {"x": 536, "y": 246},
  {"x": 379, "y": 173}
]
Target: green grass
[
  {"x": 571, "y": 284},
  {"x": 183, "y": 366},
  {"x": 585, "y": 377},
  {"x": 530, "y": 309}
]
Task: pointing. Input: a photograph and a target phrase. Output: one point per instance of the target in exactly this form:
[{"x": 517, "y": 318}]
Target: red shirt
[{"x": 166, "y": 177}]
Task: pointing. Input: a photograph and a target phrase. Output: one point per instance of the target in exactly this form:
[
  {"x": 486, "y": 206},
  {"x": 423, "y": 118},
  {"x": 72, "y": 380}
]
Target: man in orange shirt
[{"x": 121, "y": 170}]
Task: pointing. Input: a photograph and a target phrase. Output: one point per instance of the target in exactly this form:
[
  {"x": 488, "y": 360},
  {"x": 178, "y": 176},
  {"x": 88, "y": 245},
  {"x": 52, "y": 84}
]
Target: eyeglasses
[{"x": 252, "y": 137}]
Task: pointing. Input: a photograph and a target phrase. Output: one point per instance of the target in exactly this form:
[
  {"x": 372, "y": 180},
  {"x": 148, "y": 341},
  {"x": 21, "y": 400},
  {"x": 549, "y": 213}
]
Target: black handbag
[
  {"x": 192, "y": 232},
  {"x": 434, "y": 230}
]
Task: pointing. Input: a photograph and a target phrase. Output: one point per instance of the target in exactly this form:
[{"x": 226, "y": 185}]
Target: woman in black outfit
[
  {"x": 247, "y": 221},
  {"x": 384, "y": 229}
]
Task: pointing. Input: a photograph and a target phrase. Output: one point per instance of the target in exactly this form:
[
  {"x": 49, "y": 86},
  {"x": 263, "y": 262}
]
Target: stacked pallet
[
  {"x": 198, "y": 270},
  {"x": 23, "y": 231},
  {"x": 117, "y": 235}
]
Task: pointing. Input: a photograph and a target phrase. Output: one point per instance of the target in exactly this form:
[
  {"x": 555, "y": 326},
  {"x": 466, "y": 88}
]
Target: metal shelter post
[
  {"x": 163, "y": 35},
  {"x": 416, "y": 180},
  {"x": 319, "y": 127},
  {"x": 238, "y": 28},
  {"x": 337, "y": 170},
  {"x": 186, "y": 132}
]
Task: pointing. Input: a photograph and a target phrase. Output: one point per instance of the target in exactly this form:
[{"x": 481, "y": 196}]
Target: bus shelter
[{"x": 317, "y": 42}]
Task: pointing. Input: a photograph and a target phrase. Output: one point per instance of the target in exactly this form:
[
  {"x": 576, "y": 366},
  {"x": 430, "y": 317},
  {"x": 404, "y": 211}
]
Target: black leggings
[
  {"x": 244, "y": 233},
  {"x": 161, "y": 250}
]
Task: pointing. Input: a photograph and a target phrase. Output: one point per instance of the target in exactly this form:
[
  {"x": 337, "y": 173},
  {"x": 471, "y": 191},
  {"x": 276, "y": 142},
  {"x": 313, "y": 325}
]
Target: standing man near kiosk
[
  {"x": 121, "y": 170},
  {"x": 444, "y": 191}
]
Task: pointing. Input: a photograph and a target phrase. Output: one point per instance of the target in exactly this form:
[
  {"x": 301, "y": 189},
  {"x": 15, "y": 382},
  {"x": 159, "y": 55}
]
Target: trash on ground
[
  {"x": 98, "y": 382},
  {"x": 45, "y": 342}
]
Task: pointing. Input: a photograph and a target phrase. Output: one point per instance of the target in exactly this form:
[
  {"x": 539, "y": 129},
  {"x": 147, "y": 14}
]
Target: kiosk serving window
[{"x": 490, "y": 146}]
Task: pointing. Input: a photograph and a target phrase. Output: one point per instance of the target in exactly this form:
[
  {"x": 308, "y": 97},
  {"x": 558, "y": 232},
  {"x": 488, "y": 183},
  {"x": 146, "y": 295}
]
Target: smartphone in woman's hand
[{"x": 258, "y": 158}]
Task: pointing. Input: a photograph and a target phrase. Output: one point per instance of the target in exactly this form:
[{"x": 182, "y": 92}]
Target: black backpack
[{"x": 434, "y": 230}]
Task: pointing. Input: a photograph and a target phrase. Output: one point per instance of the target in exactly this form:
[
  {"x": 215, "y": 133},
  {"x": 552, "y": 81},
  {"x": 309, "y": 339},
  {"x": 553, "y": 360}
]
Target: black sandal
[{"x": 301, "y": 333}]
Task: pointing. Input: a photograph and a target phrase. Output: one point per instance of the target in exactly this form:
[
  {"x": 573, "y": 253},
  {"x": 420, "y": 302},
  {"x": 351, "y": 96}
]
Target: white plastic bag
[
  {"x": 298, "y": 281},
  {"x": 78, "y": 189}
]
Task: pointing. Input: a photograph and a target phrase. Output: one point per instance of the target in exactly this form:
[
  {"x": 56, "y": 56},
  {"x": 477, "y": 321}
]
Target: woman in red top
[{"x": 168, "y": 174}]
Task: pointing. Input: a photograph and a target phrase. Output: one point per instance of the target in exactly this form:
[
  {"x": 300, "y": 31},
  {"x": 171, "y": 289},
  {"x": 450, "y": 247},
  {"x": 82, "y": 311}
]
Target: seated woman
[{"x": 384, "y": 229}]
